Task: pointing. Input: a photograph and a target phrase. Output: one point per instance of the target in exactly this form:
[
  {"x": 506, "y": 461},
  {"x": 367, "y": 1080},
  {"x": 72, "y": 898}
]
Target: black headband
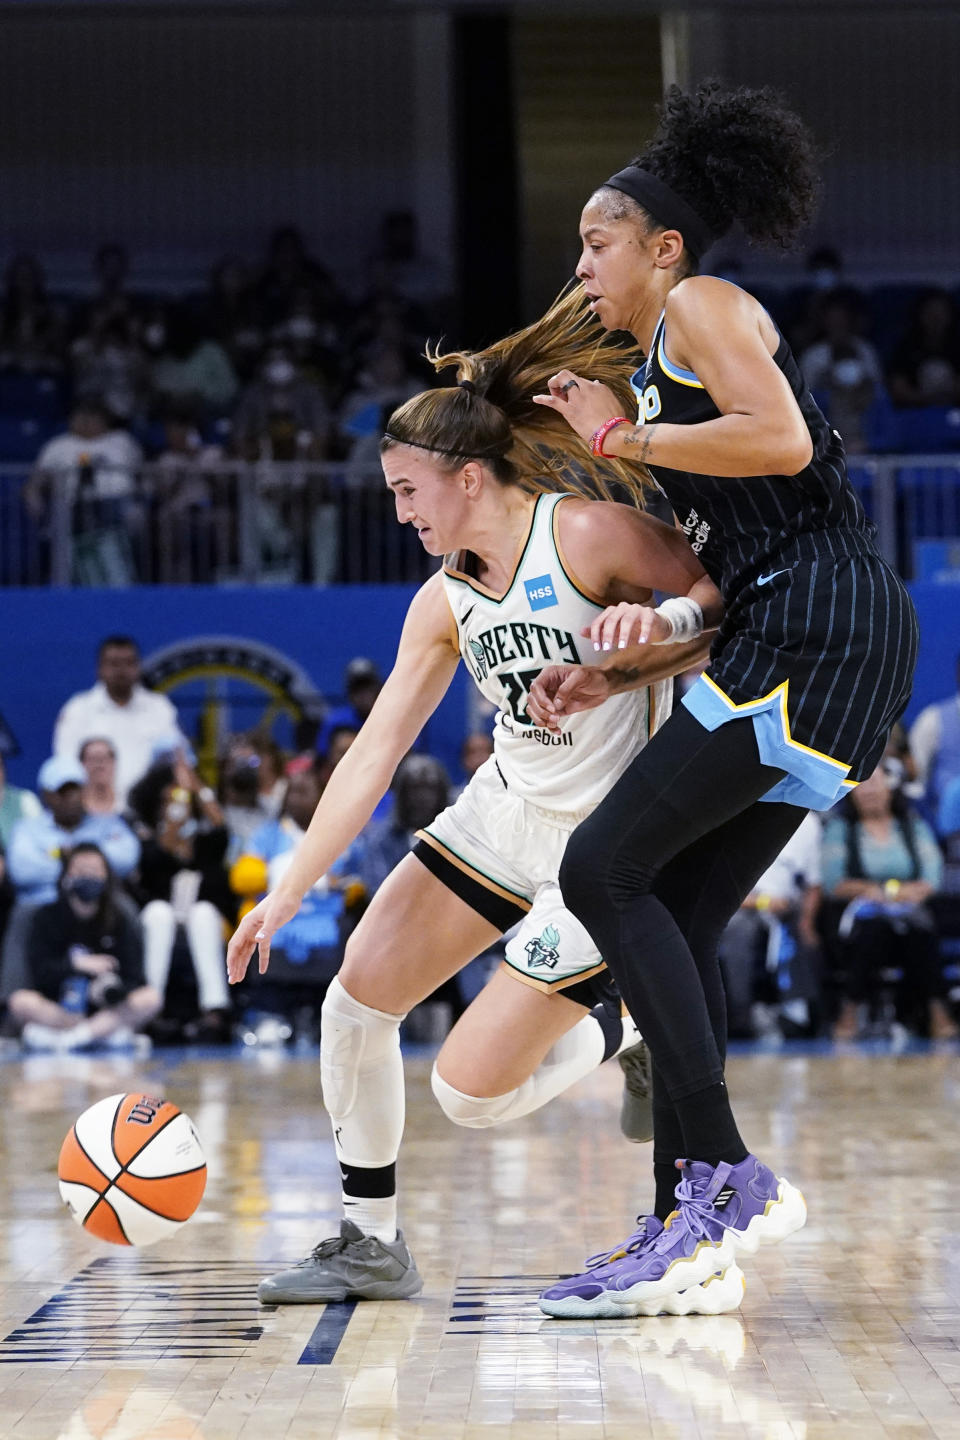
[
  {"x": 667, "y": 207},
  {"x": 488, "y": 454}
]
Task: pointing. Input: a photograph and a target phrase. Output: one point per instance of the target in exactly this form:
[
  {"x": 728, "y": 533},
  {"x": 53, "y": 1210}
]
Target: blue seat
[
  {"x": 22, "y": 439},
  {"x": 32, "y": 397},
  {"x": 929, "y": 429},
  {"x": 889, "y": 308}
]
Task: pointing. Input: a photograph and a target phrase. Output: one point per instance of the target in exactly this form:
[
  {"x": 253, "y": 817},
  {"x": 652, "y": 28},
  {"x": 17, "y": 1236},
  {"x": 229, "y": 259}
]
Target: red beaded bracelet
[{"x": 601, "y": 433}]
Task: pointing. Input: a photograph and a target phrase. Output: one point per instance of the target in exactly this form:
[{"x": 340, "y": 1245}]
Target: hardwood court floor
[{"x": 850, "y": 1330}]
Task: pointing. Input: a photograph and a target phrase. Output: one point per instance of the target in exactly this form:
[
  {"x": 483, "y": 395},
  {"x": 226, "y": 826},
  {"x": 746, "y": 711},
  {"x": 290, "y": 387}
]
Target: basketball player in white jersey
[{"x": 525, "y": 575}]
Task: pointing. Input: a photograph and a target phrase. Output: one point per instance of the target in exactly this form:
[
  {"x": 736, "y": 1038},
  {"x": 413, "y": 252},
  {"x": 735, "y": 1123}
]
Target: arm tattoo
[
  {"x": 641, "y": 435},
  {"x": 622, "y": 676}
]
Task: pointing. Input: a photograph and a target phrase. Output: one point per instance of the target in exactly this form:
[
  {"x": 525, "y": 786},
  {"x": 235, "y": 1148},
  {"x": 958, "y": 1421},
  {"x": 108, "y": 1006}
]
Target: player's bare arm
[
  {"x": 426, "y": 660},
  {"x": 760, "y": 430},
  {"x": 622, "y": 553}
]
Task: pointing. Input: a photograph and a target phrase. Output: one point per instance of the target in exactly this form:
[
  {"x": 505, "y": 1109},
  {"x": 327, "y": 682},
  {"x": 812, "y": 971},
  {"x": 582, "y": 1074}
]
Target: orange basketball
[{"x": 132, "y": 1169}]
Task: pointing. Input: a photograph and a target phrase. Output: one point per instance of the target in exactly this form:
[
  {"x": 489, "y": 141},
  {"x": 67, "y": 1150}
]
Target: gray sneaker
[
  {"x": 636, "y": 1112},
  {"x": 351, "y": 1266}
]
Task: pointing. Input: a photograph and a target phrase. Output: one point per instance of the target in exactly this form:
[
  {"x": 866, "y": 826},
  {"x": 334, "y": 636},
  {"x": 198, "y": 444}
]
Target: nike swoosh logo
[
  {"x": 466, "y": 616},
  {"x": 765, "y": 579}
]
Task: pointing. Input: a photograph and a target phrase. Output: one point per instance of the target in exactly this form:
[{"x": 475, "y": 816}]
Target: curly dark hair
[
  {"x": 737, "y": 155},
  {"x": 146, "y": 798}
]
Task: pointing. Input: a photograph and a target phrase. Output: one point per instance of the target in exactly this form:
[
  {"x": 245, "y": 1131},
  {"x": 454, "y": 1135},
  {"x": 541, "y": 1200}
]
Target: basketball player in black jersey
[{"x": 810, "y": 668}]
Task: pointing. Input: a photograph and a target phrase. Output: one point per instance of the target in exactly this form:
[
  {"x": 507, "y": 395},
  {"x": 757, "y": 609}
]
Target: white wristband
[{"x": 685, "y": 618}]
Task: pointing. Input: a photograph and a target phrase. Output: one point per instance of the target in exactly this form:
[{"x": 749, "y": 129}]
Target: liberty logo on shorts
[
  {"x": 542, "y": 952},
  {"x": 480, "y": 667},
  {"x": 540, "y": 592}
]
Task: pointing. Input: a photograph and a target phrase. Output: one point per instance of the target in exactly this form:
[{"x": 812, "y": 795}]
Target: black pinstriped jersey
[
  {"x": 738, "y": 526},
  {"x": 818, "y": 629}
]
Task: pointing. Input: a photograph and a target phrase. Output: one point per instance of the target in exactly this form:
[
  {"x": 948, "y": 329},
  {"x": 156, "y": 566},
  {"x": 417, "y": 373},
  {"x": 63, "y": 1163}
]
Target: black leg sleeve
[{"x": 683, "y": 788}]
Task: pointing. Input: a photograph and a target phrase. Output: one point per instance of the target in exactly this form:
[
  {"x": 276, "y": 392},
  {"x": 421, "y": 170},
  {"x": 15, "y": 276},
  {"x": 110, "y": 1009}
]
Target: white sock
[
  {"x": 373, "y": 1217},
  {"x": 631, "y": 1035}
]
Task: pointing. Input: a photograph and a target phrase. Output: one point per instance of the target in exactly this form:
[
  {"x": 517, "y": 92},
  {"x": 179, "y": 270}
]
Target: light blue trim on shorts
[{"x": 813, "y": 781}]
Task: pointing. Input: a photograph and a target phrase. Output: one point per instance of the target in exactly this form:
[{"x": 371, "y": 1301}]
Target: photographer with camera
[{"x": 85, "y": 965}]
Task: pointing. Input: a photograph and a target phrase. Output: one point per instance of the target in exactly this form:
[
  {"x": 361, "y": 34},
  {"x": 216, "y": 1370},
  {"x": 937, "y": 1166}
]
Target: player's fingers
[
  {"x": 238, "y": 958},
  {"x": 263, "y": 941},
  {"x": 611, "y": 624},
  {"x": 567, "y": 699},
  {"x": 563, "y": 382},
  {"x": 625, "y": 630},
  {"x": 595, "y": 630},
  {"x": 539, "y": 707},
  {"x": 646, "y": 623}
]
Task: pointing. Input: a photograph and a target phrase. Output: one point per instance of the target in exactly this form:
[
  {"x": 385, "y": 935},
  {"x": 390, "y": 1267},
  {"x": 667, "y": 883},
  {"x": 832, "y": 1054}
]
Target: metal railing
[
  {"x": 301, "y": 522},
  {"x": 223, "y": 523}
]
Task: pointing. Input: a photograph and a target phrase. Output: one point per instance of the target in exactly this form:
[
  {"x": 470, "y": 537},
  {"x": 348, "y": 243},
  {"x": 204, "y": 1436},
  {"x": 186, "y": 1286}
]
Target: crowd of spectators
[
  {"x": 883, "y": 360},
  {"x": 272, "y": 361},
  {"x": 140, "y": 415},
  {"x": 281, "y": 360},
  {"x": 122, "y": 878}
]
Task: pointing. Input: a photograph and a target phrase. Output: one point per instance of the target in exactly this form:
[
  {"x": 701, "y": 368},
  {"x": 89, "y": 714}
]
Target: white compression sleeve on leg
[
  {"x": 361, "y": 1074},
  {"x": 573, "y": 1056}
]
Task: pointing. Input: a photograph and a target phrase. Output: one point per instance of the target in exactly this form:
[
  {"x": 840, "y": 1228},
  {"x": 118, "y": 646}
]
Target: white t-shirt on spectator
[
  {"x": 797, "y": 867},
  {"x": 133, "y": 729},
  {"x": 114, "y": 458}
]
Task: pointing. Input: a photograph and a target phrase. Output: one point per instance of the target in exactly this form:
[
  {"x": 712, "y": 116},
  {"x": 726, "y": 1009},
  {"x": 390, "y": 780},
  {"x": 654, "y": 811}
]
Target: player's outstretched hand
[
  {"x": 257, "y": 928},
  {"x": 561, "y": 690},
  {"x": 584, "y": 404},
  {"x": 621, "y": 625}
]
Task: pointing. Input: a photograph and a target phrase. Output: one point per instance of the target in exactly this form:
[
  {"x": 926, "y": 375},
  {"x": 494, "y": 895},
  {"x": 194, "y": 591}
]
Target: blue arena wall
[
  {"x": 232, "y": 651},
  {"x": 226, "y": 656}
]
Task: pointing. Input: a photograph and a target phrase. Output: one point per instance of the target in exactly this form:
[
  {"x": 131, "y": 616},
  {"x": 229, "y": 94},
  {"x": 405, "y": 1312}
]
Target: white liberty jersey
[{"x": 506, "y": 642}]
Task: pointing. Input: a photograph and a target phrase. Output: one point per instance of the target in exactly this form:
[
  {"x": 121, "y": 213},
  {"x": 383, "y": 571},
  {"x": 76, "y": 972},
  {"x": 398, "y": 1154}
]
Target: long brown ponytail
[{"x": 490, "y": 414}]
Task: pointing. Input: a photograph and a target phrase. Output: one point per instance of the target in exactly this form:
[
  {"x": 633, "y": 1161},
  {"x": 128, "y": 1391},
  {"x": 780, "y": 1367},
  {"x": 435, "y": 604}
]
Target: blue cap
[{"x": 58, "y": 771}]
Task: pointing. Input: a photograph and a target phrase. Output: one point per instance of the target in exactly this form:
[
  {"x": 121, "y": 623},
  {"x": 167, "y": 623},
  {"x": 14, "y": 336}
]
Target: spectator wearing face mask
[
  {"x": 84, "y": 983},
  {"x": 843, "y": 368},
  {"x": 282, "y": 415}
]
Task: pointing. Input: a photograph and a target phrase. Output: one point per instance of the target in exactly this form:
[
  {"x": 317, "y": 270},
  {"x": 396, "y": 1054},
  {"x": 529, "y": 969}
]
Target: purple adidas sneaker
[
  {"x": 588, "y": 1297},
  {"x": 722, "y": 1211}
]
